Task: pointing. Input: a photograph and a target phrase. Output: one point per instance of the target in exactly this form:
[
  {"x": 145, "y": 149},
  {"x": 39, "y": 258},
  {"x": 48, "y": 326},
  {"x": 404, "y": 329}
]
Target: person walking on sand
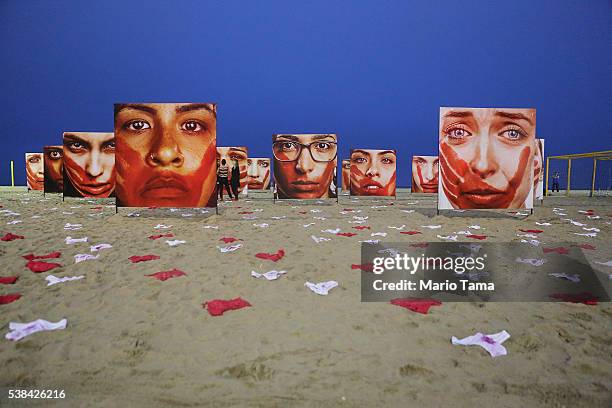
[
  {"x": 555, "y": 181},
  {"x": 235, "y": 179},
  {"x": 222, "y": 173}
]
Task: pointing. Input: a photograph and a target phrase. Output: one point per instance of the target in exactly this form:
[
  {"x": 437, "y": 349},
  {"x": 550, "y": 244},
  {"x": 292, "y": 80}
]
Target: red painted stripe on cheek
[{"x": 74, "y": 170}]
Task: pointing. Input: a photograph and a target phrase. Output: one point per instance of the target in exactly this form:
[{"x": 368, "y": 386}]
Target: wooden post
[
  {"x": 546, "y": 185},
  {"x": 569, "y": 175},
  {"x": 12, "y": 175},
  {"x": 593, "y": 178}
]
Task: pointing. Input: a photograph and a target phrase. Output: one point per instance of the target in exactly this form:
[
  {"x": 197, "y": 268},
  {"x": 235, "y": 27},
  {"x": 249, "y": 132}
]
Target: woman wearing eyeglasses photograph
[{"x": 305, "y": 165}]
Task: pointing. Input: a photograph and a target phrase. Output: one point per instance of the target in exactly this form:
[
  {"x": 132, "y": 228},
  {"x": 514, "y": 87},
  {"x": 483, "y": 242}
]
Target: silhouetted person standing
[
  {"x": 235, "y": 179},
  {"x": 555, "y": 181},
  {"x": 222, "y": 181}
]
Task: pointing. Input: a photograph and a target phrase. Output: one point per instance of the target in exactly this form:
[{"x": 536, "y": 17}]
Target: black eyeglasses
[{"x": 320, "y": 151}]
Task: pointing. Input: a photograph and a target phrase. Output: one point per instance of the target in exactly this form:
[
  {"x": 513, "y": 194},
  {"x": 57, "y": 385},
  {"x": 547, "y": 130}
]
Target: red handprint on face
[{"x": 468, "y": 190}]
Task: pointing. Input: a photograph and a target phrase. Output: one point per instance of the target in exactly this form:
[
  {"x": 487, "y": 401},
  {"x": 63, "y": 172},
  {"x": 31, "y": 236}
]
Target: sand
[{"x": 135, "y": 341}]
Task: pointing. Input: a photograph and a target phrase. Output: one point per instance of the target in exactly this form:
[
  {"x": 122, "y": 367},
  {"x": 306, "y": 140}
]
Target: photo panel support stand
[{"x": 337, "y": 195}]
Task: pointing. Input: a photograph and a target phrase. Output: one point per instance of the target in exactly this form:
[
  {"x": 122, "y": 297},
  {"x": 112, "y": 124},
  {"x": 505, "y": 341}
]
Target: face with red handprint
[
  {"x": 486, "y": 156},
  {"x": 35, "y": 171},
  {"x": 372, "y": 172},
  {"x": 239, "y": 154},
  {"x": 425, "y": 174}
]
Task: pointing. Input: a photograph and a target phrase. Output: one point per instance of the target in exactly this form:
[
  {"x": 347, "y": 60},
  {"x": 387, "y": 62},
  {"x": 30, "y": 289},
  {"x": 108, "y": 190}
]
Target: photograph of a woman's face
[
  {"x": 425, "y": 174},
  {"x": 346, "y": 174},
  {"x": 35, "y": 176},
  {"x": 373, "y": 172},
  {"x": 258, "y": 173},
  {"x": 89, "y": 164},
  {"x": 166, "y": 154},
  {"x": 305, "y": 165},
  {"x": 486, "y": 158},
  {"x": 538, "y": 171},
  {"x": 54, "y": 169},
  {"x": 233, "y": 155}
]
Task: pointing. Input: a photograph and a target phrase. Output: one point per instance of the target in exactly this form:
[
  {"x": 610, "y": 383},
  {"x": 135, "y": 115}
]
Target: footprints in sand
[
  {"x": 527, "y": 343},
  {"x": 131, "y": 348},
  {"x": 413, "y": 369},
  {"x": 248, "y": 372}
]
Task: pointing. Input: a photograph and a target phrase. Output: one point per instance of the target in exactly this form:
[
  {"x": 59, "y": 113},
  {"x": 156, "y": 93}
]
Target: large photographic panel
[
  {"x": 166, "y": 154},
  {"x": 89, "y": 164},
  {"x": 305, "y": 165},
  {"x": 373, "y": 172},
  {"x": 424, "y": 174},
  {"x": 258, "y": 173},
  {"x": 486, "y": 158},
  {"x": 346, "y": 174},
  {"x": 54, "y": 169},
  {"x": 235, "y": 156},
  {"x": 35, "y": 176},
  {"x": 538, "y": 171}
]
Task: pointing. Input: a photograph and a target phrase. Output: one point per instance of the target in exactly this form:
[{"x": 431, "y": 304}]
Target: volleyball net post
[{"x": 596, "y": 156}]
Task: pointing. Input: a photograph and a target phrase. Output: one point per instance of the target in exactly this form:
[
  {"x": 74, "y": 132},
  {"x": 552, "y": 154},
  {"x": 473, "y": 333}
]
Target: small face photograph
[
  {"x": 35, "y": 176},
  {"x": 258, "y": 173},
  {"x": 54, "y": 169},
  {"x": 346, "y": 174},
  {"x": 424, "y": 174},
  {"x": 373, "y": 172},
  {"x": 166, "y": 154},
  {"x": 89, "y": 164},
  {"x": 235, "y": 157},
  {"x": 305, "y": 165},
  {"x": 486, "y": 158},
  {"x": 538, "y": 171}
]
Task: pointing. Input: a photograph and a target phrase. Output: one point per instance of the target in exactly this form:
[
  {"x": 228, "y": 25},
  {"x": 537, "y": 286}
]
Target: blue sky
[{"x": 374, "y": 72}]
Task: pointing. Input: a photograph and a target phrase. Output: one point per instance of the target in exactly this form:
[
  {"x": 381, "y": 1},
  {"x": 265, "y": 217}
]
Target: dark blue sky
[{"x": 375, "y": 72}]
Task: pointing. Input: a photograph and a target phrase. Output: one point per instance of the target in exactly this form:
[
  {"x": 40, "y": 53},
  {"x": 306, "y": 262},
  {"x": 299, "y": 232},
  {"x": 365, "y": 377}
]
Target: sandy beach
[{"x": 135, "y": 341}]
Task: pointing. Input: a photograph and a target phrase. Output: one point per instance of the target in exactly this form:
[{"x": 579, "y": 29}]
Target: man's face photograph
[
  {"x": 35, "y": 176},
  {"x": 258, "y": 173},
  {"x": 486, "y": 158},
  {"x": 305, "y": 165},
  {"x": 233, "y": 155},
  {"x": 373, "y": 172},
  {"x": 424, "y": 174},
  {"x": 54, "y": 169},
  {"x": 89, "y": 164},
  {"x": 346, "y": 174},
  {"x": 166, "y": 154}
]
